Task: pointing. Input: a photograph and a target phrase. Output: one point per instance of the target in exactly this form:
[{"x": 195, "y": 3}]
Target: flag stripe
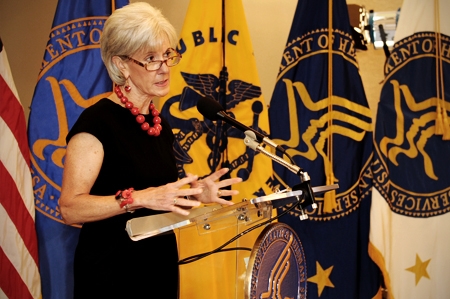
[
  {"x": 16, "y": 165},
  {"x": 19, "y": 273},
  {"x": 15, "y": 178},
  {"x": 13, "y": 132},
  {"x": 11, "y": 111},
  {"x": 9, "y": 287},
  {"x": 14, "y": 207},
  {"x": 17, "y": 188},
  {"x": 16, "y": 261},
  {"x": 5, "y": 73}
]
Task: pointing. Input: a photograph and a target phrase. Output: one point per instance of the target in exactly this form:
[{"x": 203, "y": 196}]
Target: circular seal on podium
[{"x": 277, "y": 265}]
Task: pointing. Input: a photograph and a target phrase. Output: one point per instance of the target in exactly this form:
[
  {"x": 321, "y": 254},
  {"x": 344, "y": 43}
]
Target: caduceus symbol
[{"x": 190, "y": 130}]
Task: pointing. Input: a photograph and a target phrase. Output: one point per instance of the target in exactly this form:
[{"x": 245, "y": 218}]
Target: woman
[{"x": 120, "y": 164}]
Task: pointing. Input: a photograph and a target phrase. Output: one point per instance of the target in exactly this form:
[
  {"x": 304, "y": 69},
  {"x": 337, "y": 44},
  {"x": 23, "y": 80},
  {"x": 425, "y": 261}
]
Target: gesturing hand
[{"x": 212, "y": 188}]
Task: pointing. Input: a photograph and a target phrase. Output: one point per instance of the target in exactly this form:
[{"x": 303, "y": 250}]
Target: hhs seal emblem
[{"x": 277, "y": 267}]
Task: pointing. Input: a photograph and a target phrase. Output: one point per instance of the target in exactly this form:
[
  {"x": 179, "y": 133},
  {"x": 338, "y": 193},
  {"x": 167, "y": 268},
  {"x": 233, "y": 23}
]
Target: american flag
[{"x": 19, "y": 273}]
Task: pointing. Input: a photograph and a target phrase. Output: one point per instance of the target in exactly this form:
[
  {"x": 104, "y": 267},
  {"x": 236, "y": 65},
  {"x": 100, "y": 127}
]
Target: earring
[{"x": 127, "y": 87}]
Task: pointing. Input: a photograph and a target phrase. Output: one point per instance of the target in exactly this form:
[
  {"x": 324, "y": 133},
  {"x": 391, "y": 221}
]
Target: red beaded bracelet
[{"x": 125, "y": 198}]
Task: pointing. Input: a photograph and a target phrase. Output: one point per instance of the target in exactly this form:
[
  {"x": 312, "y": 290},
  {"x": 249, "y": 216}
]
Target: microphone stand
[{"x": 307, "y": 197}]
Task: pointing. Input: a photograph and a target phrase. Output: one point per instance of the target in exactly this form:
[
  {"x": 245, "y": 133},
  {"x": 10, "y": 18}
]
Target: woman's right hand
[{"x": 170, "y": 197}]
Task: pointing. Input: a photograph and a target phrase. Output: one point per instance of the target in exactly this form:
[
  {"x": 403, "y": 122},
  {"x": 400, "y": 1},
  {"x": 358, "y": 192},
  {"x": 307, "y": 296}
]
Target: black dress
[{"x": 108, "y": 264}]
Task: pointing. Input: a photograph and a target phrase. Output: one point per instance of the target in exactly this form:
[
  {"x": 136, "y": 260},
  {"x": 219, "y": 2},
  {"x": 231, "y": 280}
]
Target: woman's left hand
[{"x": 212, "y": 190}]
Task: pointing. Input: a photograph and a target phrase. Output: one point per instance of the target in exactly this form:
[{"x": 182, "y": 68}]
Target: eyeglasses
[{"x": 173, "y": 59}]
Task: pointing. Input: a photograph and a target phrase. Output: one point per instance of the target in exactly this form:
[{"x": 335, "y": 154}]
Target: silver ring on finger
[
  {"x": 174, "y": 201},
  {"x": 219, "y": 193}
]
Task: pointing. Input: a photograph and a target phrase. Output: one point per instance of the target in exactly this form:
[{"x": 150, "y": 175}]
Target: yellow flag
[
  {"x": 206, "y": 64},
  {"x": 218, "y": 63}
]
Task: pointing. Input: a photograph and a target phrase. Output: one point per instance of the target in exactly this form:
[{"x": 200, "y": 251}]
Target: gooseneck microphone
[{"x": 212, "y": 110}]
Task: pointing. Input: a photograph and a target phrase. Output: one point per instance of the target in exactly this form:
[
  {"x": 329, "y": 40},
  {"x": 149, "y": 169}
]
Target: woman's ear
[{"x": 121, "y": 65}]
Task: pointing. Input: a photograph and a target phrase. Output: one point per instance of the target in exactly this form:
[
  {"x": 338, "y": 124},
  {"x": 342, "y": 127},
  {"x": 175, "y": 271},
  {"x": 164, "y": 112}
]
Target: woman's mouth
[{"x": 162, "y": 83}]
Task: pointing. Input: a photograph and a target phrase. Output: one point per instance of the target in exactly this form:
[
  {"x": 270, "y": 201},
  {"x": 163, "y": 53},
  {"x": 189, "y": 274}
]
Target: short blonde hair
[{"x": 132, "y": 28}]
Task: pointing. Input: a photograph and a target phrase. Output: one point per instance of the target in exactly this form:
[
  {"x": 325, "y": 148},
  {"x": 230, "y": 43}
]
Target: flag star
[
  {"x": 322, "y": 278},
  {"x": 419, "y": 269}
]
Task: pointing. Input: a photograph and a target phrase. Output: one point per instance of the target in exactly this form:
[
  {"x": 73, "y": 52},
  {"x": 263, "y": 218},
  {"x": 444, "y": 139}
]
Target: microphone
[{"x": 212, "y": 110}]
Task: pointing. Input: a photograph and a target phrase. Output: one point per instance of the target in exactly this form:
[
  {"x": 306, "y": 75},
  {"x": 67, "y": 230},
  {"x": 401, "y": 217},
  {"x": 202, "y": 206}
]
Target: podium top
[{"x": 250, "y": 211}]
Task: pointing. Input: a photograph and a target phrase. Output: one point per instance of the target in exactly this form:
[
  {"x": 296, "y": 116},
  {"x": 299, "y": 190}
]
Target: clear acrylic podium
[{"x": 215, "y": 243}]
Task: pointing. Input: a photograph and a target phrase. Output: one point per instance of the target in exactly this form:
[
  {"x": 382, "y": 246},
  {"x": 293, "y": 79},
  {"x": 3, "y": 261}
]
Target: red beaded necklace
[{"x": 152, "y": 131}]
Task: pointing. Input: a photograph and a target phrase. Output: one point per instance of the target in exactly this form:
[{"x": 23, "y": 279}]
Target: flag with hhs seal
[
  {"x": 320, "y": 114},
  {"x": 410, "y": 215},
  {"x": 71, "y": 78}
]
